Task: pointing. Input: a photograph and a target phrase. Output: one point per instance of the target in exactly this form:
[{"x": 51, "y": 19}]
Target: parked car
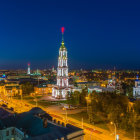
[{"x": 69, "y": 107}]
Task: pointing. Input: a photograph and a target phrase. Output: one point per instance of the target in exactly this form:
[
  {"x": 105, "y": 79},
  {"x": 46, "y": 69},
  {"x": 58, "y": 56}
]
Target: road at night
[{"x": 91, "y": 132}]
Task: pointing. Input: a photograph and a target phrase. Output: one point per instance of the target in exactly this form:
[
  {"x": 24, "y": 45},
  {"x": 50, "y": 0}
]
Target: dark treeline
[
  {"x": 115, "y": 108},
  {"x": 27, "y": 88},
  {"x": 77, "y": 98}
]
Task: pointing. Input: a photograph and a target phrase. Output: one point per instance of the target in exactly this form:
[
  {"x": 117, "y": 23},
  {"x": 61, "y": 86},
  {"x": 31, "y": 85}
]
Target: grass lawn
[
  {"x": 130, "y": 133},
  {"x": 97, "y": 121},
  {"x": 16, "y": 97},
  {"x": 64, "y": 101},
  {"x": 27, "y": 97},
  {"x": 43, "y": 103}
]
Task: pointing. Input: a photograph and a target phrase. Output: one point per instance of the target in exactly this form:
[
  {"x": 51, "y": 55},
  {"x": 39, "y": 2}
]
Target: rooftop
[
  {"x": 62, "y": 47},
  {"x": 104, "y": 89},
  {"x": 33, "y": 125}
]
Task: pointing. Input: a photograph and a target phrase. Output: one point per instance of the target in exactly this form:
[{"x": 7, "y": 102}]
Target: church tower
[
  {"x": 62, "y": 87},
  {"x": 136, "y": 89},
  {"x": 28, "y": 70},
  {"x": 62, "y": 70}
]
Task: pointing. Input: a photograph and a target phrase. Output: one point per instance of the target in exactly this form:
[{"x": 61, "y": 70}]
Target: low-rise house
[
  {"x": 100, "y": 89},
  {"x": 86, "y": 84},
  {"x": 12, "y": 133}
]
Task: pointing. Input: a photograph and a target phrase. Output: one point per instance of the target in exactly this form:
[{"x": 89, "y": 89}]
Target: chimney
[{"x": 45, "y": 123}]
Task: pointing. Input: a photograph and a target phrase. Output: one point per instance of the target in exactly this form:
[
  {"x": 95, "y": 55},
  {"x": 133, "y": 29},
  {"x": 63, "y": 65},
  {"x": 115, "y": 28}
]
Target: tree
[
  {"x": 70, "y": 98},
  {"x": 27, "y": 88},
  {"x": 113, "y": 106},
  {"x": 115, "y": 114},
  {"x": 76, "y": 97},
  {"x": 137, "y": 107},
  {"x": 137, "y": 112},
  {"x": 73, "y": 98},
  {"x": 75, "y": 84},
  {"x": 82, "y": 97},
  {"x": 90, "y": 113},
  {"x": 2, "y": 83},
  {"x": 127, "y": 89}
]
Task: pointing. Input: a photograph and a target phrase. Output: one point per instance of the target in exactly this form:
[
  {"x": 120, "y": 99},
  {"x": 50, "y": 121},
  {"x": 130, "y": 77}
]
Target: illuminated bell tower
[
  {"x": 28, "y": 70},
  {"x": 62, "y": 86},
  {"x": 62, "y": 70}
]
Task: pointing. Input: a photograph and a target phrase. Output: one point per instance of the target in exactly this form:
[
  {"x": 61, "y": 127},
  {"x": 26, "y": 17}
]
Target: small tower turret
[{"x": 28, "y": 70}]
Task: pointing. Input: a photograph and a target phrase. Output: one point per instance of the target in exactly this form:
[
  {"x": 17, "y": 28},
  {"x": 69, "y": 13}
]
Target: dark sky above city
[{"x": 98, "y": 34}]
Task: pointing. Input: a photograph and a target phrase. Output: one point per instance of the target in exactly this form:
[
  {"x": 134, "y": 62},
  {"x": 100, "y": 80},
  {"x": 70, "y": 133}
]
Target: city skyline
[
  {"x": 69, "y": 69},
  {"x": 98, "y": 35}
]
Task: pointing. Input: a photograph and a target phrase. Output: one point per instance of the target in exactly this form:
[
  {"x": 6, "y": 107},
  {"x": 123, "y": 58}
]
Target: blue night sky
[{"x": 98, "y": 34}]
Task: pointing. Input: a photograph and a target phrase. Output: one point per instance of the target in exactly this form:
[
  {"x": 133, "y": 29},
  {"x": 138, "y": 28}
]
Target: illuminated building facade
[
  {"x": 61, "y": 89},
  {"x": 28, "y": 70},
  {"x": 3, "y": 77},
  {"x": 136, "y": 89},
  {"x": 11, "y": 89},
  {"x": 111, "y": 81},
  {"x": 43, "y": 89}
]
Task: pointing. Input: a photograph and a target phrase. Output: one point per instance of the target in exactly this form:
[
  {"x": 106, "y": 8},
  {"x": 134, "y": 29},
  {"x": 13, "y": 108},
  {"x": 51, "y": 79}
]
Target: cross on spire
[{"x": 62, "y": 30}]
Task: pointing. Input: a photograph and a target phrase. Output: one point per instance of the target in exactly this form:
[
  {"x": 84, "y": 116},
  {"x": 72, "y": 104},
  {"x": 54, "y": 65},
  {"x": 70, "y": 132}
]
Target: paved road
[{"x": 91, "y": 132}]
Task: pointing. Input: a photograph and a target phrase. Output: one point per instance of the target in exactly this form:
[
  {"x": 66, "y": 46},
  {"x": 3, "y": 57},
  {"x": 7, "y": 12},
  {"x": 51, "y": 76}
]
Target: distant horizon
[{"x": 88, "y": 69}]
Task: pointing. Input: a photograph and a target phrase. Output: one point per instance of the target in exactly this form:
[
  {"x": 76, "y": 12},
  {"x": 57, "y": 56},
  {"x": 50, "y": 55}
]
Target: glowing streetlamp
[
  {"x": 65, "y": 113},
  {"x": 36, "y": 102},
  {"x": 35, "y": 98},
  {"x": 115, "y": 129},
  {"x": 88, "y": 101}
]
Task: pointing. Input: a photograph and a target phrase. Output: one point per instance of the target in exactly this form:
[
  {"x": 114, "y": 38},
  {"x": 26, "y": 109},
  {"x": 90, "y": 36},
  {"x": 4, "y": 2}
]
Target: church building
[{"x": 136, "y": 89}]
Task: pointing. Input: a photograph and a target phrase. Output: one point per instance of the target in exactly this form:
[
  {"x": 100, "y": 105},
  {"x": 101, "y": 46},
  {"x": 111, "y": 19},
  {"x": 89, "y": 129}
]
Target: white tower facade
[
  {"x": 28, "y": 70},
  {"x": 62, "y": 70},
  {"x": 136, "y": 89},
  {"x": 61, "y": 88}
]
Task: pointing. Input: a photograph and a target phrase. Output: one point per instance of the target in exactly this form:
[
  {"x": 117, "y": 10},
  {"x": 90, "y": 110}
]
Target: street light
[
  {"x": 82, "y": 123},
  {"x": 88, "y": 101},
  {"x": 21, "y": 96},
  {"x": 35, "y": 98},
  {"x": 134, "y": 123},
  {"x": 115, "y": 129},
  {"x": 36, "y": 101},
  {"x": 65, "y": 113}
]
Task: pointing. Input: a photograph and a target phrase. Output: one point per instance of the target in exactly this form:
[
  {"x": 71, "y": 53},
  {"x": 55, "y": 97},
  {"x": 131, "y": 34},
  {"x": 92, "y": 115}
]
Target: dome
[{"x": 62, "y": 47}]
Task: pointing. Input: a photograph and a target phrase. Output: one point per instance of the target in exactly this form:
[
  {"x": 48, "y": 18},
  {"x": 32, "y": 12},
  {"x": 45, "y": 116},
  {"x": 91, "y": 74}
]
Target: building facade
[
  {"x": 111, "y": 81},
  {"x": 100, "y": 89},
  {"x": 43, "y": 89},
  {"x": 11, "y": 89},
  {"x": 136, "y": 89},
  {"x": 12, "y": 133}
]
